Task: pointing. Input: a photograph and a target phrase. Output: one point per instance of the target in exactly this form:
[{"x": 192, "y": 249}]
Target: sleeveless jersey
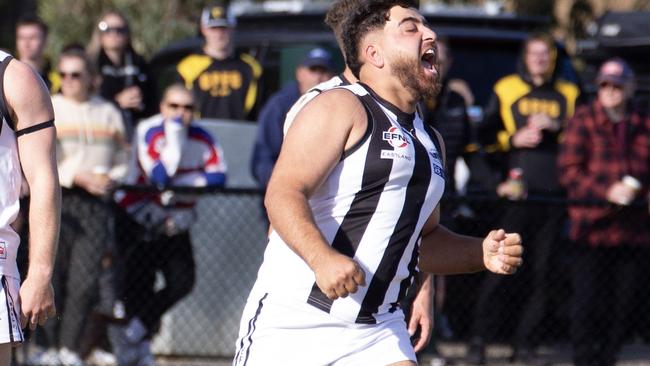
[
  {"x": 371, "y": 207},
  {"x": 308, "y": 96},
  {"x": 10, "y": 181}
]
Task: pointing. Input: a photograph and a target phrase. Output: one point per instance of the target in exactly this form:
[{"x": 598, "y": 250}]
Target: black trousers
[
  {"x": 604, "y": 282},
  {"x": 143, "y": 254},
  {"x": 521, "y": 299}
]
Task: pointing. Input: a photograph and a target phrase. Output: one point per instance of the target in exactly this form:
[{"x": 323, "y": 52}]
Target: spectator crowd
[{"x": 539, "y": 140}]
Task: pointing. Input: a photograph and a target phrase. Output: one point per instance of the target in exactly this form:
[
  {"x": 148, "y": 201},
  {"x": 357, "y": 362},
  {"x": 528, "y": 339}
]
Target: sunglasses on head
[
  {"x": 187, "y": 107},
  {"x": 72, "y": 75},
  {"x": 105, "y": 28}
]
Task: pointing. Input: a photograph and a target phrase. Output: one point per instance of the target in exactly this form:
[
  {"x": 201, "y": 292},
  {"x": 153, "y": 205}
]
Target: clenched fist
[
  {"x": 502, "y": 252},
  {"x": 338, "y": 275}
]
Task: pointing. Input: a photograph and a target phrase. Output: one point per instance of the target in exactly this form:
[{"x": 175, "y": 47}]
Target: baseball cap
[
  {"x": 217, "y": 16},
  {"x": 318, "y": 57},
  {"x": 615, "y": 71}
]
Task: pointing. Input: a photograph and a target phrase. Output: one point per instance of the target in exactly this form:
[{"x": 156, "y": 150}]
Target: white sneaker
[
  {"x": 70, "y": 358},
  {"x": 48, "y": 357},
  {"x": 99, "y": 357}
]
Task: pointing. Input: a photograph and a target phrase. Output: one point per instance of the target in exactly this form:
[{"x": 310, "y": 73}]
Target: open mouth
[{"x": 429, "y": 59}]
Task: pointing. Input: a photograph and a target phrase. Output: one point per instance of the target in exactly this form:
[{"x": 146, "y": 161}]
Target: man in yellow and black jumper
[
  {"x": 523, "y": 122},
  {"x": 225, "y": 85}
]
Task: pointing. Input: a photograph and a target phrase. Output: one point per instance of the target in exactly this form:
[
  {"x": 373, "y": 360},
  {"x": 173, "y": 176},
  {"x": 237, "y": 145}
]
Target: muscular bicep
[
  {"x": 27, "y": 96},
  {"x": 30, "y": 105},
  {"x": 314, "y": 145}
]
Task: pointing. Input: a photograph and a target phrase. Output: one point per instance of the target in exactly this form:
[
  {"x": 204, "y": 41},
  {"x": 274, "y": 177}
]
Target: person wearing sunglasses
[
  {"x": 171, "y": 151},
  {"x": 605, "y": 156},
  {"x": 126, "y": 80},
  {"x": 91, "y": 155}
]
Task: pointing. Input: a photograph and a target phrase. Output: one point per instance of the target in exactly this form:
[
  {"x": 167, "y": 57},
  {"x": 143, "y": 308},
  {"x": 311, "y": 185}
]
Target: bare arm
[
  {"x": 312, "y": 148},
  {"x": 444, "y": 252},
  {"x": 30, "y": 105},
  {"x": 422, "y": 313}
]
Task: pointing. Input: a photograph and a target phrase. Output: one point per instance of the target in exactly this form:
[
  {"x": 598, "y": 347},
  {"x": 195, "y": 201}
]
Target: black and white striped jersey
[
  {"x": 309, "y": 96},
  {"x": 372, "y": 207}
]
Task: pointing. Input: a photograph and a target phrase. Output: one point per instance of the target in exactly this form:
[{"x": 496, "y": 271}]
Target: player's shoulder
[
  {"x": 26, "y": 86},
  {"x": 341, "y": 96},
  {"x": 21, "y": 75},
  {"x": 315, "y": 91},
  {"x": 334, "y": 107},
  {"x": 326, "y": 85}
]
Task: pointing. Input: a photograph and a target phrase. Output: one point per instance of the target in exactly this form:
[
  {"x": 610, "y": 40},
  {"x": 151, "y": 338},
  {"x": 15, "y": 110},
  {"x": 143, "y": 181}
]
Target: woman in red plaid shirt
[{"x": 605, "y": 156}]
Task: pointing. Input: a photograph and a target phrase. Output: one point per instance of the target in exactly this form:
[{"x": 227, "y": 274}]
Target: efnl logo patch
[
  {"x": 395, "y": 138},
  {"x": 3, "y": 250}
]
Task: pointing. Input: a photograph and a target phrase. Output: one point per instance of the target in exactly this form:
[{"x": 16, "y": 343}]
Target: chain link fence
[{"x": 228, "y": 240}]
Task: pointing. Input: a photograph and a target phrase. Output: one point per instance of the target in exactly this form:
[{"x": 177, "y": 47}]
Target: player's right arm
[
  {"x": 30, "y": 106},
  {"x": 322, "y": 131}
]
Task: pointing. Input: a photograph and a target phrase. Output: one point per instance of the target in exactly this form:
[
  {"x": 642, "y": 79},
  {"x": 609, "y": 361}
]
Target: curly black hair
[{"x": 368, "y": 16}]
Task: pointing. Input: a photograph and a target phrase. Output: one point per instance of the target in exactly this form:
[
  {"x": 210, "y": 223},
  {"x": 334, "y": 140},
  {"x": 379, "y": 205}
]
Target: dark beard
[{"x": 410, "y": 73}]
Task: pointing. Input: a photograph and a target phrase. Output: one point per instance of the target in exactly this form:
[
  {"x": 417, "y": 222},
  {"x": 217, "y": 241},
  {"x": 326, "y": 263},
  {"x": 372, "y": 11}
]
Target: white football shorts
[
  {"x": 276, "y": 332},
  {"x": 10, "y": 330}
]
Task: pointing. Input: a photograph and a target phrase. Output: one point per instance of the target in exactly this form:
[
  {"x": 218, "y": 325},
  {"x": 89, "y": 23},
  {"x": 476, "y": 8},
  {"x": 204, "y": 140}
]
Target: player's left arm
[
  {"x": 422, "y": 313},
  {"x": 443, "y": 251},
  {"x": 30, "y": 106}
]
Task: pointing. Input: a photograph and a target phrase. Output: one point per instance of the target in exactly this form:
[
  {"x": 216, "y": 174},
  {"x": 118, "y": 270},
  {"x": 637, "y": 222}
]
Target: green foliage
[{"x": 154, "y": 23}]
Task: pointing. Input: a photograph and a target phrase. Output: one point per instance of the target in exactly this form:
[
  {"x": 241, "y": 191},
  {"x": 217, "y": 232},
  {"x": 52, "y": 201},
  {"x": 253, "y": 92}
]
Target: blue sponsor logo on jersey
[
  {"x": 437, "y": 170},
  {"x": 434, "y": 154}
]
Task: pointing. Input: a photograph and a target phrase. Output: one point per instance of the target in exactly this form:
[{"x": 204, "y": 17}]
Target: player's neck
[
  {"x": 349, "y": 76},
  {"x": 391, "y": 90}
]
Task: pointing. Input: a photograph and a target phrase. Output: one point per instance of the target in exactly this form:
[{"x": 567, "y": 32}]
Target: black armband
[{"x": 36, "y": 127}]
